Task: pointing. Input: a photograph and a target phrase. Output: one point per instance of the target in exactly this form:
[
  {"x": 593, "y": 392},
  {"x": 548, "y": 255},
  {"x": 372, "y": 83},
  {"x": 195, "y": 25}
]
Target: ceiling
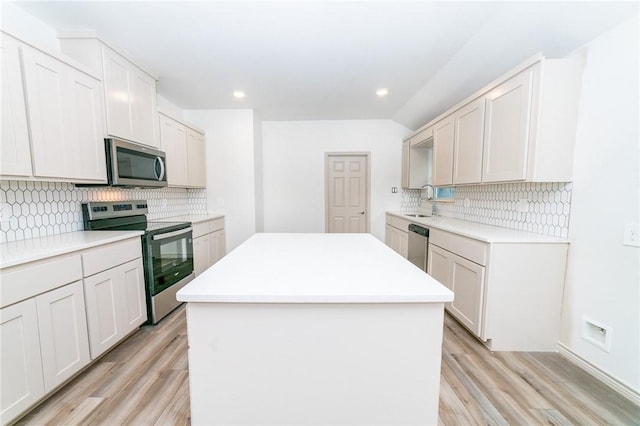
[{"x": 322, "y": 60}]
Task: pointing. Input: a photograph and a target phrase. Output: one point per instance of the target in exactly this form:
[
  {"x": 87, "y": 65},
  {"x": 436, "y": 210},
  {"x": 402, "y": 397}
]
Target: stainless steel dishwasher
[{"x": 418, "y": 245}]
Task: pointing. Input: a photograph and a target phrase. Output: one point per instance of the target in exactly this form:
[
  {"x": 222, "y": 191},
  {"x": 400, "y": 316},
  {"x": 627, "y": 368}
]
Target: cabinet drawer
[
  {"x": 216, "y": 224},
  {"x": 28, "y": 280},
  {"x": 200, "y": 229},
  {"x": 399, "y": 223},
  {"x": 105, "y": 257},
  {"x": 474, "y": 250}
]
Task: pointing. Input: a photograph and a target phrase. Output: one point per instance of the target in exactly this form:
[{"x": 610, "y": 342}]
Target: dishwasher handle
[{"x": 420, "y": 230}]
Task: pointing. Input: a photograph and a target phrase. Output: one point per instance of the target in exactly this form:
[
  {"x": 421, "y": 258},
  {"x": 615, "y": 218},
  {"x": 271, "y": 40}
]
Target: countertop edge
[
  {"x": 453, "y": 225},
  {"x": 193, "y": 218},
  {"x": 313, "y": 299},
  {"x": 60, "y": 251}
]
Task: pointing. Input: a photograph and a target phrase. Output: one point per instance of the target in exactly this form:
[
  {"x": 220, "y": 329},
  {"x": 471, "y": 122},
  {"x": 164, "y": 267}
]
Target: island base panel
[{"x": 314, "y": 364}]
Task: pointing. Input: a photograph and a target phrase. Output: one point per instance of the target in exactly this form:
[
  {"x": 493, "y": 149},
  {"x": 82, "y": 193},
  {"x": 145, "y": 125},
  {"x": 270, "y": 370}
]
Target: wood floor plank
[{"x": 144, "y": 381}]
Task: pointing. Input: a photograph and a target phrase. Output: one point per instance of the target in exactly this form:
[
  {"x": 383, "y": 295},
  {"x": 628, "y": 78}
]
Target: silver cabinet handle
[{"x": 361, "y": 212}]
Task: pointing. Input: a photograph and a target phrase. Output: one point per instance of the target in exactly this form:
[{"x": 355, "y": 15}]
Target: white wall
[
  {"x": 603, "y": 276},
  {"x": 230, "y": 169},
  {"x": 293, "y": 164},
  {"x": 23, "y": 25}
]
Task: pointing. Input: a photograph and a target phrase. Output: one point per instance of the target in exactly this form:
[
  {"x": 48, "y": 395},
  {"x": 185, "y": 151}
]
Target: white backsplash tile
[
  {"x": 47, "y": 208},
  {"x": 547, "y": 205}
]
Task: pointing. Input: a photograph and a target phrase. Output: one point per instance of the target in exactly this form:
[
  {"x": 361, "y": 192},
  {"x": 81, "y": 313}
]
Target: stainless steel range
[{"x": 167, "y": 249}]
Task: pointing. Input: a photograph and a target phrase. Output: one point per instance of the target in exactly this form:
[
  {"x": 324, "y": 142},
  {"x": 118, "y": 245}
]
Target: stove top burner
[{"x": 125, "y": 215}]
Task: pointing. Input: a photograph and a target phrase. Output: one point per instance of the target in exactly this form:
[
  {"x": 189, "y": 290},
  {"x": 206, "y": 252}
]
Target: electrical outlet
[
  {"x": 394, "y": 190},
  {"x": 597, "y": 334},
  {"x": 632, "y": 235},
  {"x": 5, "y": 212}
]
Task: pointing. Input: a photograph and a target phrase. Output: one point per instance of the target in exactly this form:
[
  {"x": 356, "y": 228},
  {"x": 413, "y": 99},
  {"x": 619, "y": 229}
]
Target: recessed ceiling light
[
  {"x": 239, "y": 94},
  {"x": 382, "y": 92}
]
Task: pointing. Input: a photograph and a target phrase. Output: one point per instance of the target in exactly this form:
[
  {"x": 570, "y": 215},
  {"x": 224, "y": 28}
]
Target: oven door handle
[{"x": 171, "y": 234}]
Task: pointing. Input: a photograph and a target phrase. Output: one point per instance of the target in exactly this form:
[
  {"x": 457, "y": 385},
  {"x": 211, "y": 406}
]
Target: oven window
[{"x": 172, "y": 253}]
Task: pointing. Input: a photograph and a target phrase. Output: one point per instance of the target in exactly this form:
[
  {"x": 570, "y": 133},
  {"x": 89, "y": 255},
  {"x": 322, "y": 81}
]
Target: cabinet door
[
  {"x": 116, "y": 88},
  {"x": 45, "y": 83},
  {"x": 174, "y": 143},
  {"x": 218, "y": 246},
  {"x": 15, "y": 153},
  {"x": 85, "y": 141},
  {"x": 144, "y": 110},
  {"x": 116, "y": 305},
  {"x": 201, "y": 256},
  {"x": 63, "y": 333},
  {"x": 469, "y": 132},
  {"x": 196, "y": 159},
  {"x": 443, "y": 133},
  {"x": 439, "y": 266},
  {"x": 506, "y": 133},
  {"x": 406, "y": 152},
  {"x": 467, "y": 284},
  {"x": 20, "y": 359},
  {"x": 403, "y": 244},
  {"x": 132, "y": 298},
  {"x": 101, "y": 299}
]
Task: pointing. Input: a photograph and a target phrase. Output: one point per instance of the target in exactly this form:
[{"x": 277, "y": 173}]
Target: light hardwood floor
[{"x": 144, "y": 381}]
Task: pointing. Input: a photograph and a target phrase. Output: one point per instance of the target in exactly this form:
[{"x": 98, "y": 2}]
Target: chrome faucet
[{"x": 433, "y": 191}]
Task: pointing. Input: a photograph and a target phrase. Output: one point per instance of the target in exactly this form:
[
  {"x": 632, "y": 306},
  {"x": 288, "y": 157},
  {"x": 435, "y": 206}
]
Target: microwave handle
[{"x": 161, "y": 175}]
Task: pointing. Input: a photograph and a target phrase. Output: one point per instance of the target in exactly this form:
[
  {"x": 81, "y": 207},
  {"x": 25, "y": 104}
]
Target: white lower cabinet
[
  {"x": 508, "y": 294},
  {"x": 63, "y": 333},
  {"x": 209, "y": 244},
  {"x": 20, "y": 359},
  {"x": 396, "y": 234},
  {"x": 59, "y": 313},
  {"x": 116, "y": 304}
]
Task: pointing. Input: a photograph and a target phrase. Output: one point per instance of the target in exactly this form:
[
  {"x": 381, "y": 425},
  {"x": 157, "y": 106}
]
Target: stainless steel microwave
[{"x": 129, "y": 164}]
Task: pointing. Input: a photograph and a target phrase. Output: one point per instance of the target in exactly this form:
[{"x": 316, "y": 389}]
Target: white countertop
[
  {"x": 193, "y": 218},
  {"x": 314, "y": 268},
  {"x": 480, "y": 231},
  {"x": 24, "y": 251}
]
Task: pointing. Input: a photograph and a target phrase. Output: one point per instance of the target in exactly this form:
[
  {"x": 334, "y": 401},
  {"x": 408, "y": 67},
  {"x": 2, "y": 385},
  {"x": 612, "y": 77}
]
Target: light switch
[{"x": 632, "y": 235}]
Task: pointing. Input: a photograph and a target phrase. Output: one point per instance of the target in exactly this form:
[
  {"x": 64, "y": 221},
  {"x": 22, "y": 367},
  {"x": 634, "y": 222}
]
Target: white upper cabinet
[
  {"x": 416, "y": 159},
  {"x": 443, "y": 140},
  {"x": 521, "y": 127},
  {"x": 174, "y": 143},
  {"x": 64, "y": 110},
  {"x": 186, "y": 157},
  {"x": 507, "y": 125},
  {"x": 406, "y": 152},
  {"x": 196, "y": 159},
  {"x": 116, "y": 89},
  {"x": 131, "y": 100},
  {"x": 144, "y": 108},
  {"x": 130, "y": 92},
  {"x": 15, "y": 153},
  {"x": 467, "y": 152}
]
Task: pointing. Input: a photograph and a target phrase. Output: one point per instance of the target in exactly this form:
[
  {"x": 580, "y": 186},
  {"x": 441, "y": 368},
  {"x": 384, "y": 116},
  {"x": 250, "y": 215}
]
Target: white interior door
[{"x": 347, "y": 193}]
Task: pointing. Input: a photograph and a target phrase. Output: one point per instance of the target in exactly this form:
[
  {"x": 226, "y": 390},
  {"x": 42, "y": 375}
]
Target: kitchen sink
[{"x": 415, "y": 215}]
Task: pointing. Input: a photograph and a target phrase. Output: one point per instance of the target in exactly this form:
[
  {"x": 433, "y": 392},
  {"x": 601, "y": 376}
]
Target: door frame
[{"x": 327, "y": 155}]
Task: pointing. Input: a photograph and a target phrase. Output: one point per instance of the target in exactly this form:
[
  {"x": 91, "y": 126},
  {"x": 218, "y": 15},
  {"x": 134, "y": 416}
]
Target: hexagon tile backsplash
[
  {"x": 34, "y": 209},
  {"x": 542, "y": 208}
]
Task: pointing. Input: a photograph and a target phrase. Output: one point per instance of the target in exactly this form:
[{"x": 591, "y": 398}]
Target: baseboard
[{"x": 606, "y": 378}]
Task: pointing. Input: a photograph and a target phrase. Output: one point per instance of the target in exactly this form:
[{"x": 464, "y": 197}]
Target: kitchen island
[{"x": 302, "y": 329}]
